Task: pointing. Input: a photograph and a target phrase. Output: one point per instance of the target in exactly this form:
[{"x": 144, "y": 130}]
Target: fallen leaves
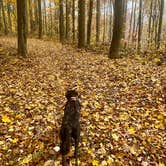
[{"x": 123, "y": 107}]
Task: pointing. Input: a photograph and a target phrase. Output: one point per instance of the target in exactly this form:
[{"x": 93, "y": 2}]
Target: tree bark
[
  {"x": 9, "y": 16},
  {"x": 81, "y": 23},
  {"x": 22, "y": 27},
  {"x": 30, "y": 15},
  {"x": 98, "y": 14},
  {"x": 131, "y": 20},
  {"x": 117, "y": 29},
  {"x": 89, "y": 22},
  {"x": 4, "y": 18},
  {"x": 160, "y": 23},
  {"x": 61, "y": 21},
  {"x": 73, "y": 19},
  {"x": 139, "y": 25},
  {"x": 45, "y": 16},
  {"x": 36, "y": 15},
  {"x": 67, "y": 19},
  {"x": 40, "y": 19},
  {"x": 1, "y": 21}
]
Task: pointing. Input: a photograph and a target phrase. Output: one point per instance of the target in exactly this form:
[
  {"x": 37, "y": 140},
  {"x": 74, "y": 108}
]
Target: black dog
[{"x": 70, "y": 128}]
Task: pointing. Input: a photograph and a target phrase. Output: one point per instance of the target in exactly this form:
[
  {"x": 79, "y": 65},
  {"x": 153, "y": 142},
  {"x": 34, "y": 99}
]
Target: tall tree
[
  {"x": 1, "y": 21},
  {"x": 139, "y": 25},
  {"x": 131, "y": 20},
  {"x": 30, "y": 14},
  {"x": 89, "y": 21},
  {"x": 73, "y": 19},
  {"x": 117, "y": 29},
  {"x": 98, "y": 21},
  {"x": 40, "y": 19},
  {"x": 45, "y": 16},
  {"x": 61, "y": 21},
  {"x": 160, "y": 23},
  {"x": 67, "y": 19},
  {"x": 22, "y": 27},
  {"x": 4, "y": 17},
  {"x": 36, "y": 22},
  {"x": 9, "y": 16},
  {"x": 81, "y": 23}
]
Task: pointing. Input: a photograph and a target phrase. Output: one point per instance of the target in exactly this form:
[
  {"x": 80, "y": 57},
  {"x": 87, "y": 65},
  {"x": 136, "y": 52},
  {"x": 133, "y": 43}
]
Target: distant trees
[{"x": 103, "y": 26}]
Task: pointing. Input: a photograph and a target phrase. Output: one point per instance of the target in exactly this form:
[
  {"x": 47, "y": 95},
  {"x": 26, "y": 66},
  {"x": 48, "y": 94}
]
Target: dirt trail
[{"x": 123, "y": 116}]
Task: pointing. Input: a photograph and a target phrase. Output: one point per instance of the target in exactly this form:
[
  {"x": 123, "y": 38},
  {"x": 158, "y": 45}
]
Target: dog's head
[{"x": 71, "y": 94}]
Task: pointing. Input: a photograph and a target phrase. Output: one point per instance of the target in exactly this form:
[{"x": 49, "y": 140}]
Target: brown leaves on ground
[{"x": 123, "y": 106}]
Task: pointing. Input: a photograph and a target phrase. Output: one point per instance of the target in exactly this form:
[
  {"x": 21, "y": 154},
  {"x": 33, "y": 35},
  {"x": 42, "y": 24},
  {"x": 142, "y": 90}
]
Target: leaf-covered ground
[{"x": 123, "y": 106}]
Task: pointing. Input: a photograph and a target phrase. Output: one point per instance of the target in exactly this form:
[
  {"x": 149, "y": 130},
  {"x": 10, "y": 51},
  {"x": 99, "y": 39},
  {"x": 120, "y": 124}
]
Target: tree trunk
[
  {"x": 134, "y": 23},
  {"x": 81, "y": 23},
  {"x": 160, "y": 23},
  {"x": 67, "y": 19},
  {"x": 30, "y": 15},
  {"x": 150, "y": 21},
  {"x": 98, "y": 22},
  {"x": 36, "y": 15},
  {"x": 104, "y": 26},
  {"x": 131, "y": 20},
  {"x": 111, "y": 21},
  {"x": 9, "y": 16},
  {"x": 117, "y": 29},
  {"x": 89, "y": 22},
  {"x": 139, "y": 25},
  {"x": 45, "y": 16},
  {"x": 61, "y": 21},
  {"x": 40, "y": 19},
  {"x": 51, "y": 21},
  {"x": 22, "y": 27},
  {"x": 4, "y": 18},
  {"x": 73, "y": 19},
  {"x": 1, "y": 21}
]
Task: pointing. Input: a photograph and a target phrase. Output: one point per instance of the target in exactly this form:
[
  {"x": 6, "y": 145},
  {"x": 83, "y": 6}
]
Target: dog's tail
[{"x": 65, "y": 140}]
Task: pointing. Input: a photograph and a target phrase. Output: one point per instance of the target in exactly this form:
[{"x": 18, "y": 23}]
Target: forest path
[{"x": 122, "y": 105}]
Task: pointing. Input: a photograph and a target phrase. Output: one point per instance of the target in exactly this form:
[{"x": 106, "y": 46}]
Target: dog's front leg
[
  {"x": 64, "y": 160},
  {"x": 76, "y": 152}
]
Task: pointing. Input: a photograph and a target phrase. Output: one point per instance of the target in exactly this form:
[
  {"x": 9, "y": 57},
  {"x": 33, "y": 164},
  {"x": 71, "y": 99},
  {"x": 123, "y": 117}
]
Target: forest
[{"x": 112, "y": 52}]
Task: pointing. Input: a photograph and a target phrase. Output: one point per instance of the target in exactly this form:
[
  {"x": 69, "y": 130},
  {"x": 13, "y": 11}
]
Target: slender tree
[
  {"x": 98, "y": 21},
  {"x": 61, "y": 21},
  {"x": 40, "y": 19},
  {"x": 131, "y": 20},
  {"x": 4, "y": 17},
  {"x": 67, "y": 19},
  {"x": 89, "y": 21},
  {"x": 1, "y": 21},
  {"x": 30, "y": 15},
  {"x": 9, "y": 16},
  {"x": 73, "y": 19},
  {"x": 22, "y": 27},
  {"x": 81, "y": 23},
  {"x": 160, "y": 23},
  {"x": 36, "y": 22},
  {"x": 45, "y": 16},
  {"x": 117, "y": 29},
  {"x": 139, "y": 25}
]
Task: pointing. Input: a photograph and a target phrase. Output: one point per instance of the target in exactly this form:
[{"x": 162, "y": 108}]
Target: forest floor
[{"x": 123, "y": 114}]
